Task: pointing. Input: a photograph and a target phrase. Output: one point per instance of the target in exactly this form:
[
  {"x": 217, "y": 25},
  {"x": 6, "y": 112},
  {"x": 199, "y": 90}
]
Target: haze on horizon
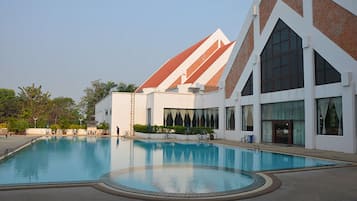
[{"x": 64, "y": 45}]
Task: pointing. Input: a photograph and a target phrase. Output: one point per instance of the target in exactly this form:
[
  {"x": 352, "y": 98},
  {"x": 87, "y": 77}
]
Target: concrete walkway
[
  {"x": 327, "y": 184},
  {"x": 11, "y": 143},
  {"x": 294, "y": 150}
]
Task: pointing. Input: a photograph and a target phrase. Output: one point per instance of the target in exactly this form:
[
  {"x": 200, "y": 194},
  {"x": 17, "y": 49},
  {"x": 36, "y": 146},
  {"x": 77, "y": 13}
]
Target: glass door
[{"x": 283, "y": 132}]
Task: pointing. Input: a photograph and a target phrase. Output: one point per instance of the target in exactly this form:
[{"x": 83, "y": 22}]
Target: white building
[{"x": 290, "y": 78}]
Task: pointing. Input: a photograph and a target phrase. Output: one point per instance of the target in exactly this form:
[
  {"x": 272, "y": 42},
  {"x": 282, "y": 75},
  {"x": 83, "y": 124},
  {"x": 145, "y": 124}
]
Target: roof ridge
[
  {"x": 205, "y": 66},
  {"x": 156, "y": 78}
]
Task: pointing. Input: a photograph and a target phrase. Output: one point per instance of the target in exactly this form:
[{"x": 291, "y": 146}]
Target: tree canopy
[
  {"x": 33, "y": 106},
  {"x": 99, "y": 90}
]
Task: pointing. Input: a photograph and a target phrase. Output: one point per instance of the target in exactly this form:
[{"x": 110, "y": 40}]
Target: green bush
[
  {"x": 18, "y": 125},
  {"x": 55, "y": 126},
  {"x": 3, "y": 125},
  {"x": 141, "y": 128},
  {"x": 74, "y": 126},
  {"x": 180, "y": 129},
  {"x": 104, "y": 125}
]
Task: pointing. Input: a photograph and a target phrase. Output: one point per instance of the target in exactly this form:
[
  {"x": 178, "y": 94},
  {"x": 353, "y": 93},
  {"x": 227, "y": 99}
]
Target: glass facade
[
  {"x": 325, "y": 73},
  {"x": 290, "y": 114},
  {"x": 282, "y": 60},
  {"x": 247, "y": 118},
  {"x": 248, "y": 87},
  {"x": 230, "y": 118},
  {"x": 329, "y": 116},
  {"x": 207, "y": 117}
]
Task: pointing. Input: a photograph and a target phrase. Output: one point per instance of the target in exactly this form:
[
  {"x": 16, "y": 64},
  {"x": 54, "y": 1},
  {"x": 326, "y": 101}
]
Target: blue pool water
[{"x": 82, "y": 159}]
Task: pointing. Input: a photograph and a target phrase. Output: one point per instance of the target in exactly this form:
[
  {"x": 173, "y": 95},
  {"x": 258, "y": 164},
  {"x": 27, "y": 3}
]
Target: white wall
[
  {"x": 158, "y": 101},
  {"x": 101, "y": 107},
  {"x": 313, "y": 39},
  {"x": 121, "y": 107},
  {"x": 140, "y": 108}
]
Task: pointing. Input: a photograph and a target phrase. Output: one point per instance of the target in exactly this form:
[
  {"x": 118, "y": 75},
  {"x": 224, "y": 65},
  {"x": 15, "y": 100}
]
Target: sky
[{"x": 63, "y": 45}]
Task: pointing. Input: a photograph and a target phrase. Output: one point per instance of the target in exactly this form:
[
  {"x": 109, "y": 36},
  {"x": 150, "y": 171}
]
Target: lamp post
[
  {"x": 80, "y": 121},
  {"x": 35, "y": 119}
]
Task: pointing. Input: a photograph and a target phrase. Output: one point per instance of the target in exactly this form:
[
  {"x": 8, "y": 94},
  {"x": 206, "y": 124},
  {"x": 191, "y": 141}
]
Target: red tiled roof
[
  {"x": 177, "y": 82},
  {"x": 165, "y": 70},
  {"x": 212, "y": 84},
  {"x": 208, "y": 63}
]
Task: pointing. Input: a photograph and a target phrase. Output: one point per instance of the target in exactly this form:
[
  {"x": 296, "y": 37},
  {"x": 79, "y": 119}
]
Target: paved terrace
[{"x": 325, "y": 184}]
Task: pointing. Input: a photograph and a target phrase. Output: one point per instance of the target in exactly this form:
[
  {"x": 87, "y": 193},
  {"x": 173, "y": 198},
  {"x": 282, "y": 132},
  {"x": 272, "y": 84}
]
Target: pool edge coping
[{"x": 271, "y": 184}]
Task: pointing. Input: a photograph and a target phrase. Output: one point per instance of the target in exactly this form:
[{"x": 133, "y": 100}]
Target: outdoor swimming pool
[{"x": 148, "y": 166}]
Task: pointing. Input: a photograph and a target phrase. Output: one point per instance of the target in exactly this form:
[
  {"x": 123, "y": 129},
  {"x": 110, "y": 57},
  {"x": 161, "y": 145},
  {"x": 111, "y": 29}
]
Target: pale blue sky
[{"x": 64, "y": 44}]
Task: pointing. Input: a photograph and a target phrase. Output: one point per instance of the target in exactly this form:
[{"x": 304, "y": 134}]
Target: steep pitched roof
[
  {"x": 207, "y": 64},
  {"x": 189, "y": 65},
  {"x": 169, "y": 66}
]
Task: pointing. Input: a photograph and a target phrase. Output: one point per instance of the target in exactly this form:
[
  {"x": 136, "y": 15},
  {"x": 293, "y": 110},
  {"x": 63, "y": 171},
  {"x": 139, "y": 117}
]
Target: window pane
[
  {"x": 329, "y": 116},
  {"x": 284, "y": 70}
]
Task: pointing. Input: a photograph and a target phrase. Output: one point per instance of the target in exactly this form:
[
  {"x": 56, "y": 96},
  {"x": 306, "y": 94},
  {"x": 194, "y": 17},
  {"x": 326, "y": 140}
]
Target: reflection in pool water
[
  {"x": 78, "y": 159},
  {"x": 180, "y": 179}
]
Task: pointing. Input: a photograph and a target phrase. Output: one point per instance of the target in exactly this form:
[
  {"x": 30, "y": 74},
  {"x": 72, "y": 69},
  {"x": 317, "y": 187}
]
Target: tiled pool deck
[{"x": 338, "y": 183}]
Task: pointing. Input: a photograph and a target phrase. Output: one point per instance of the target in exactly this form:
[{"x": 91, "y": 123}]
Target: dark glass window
[
  {"x": 325, "y": 73},
  {"x": 282, "y": 60},
  {"x": 230, "y": 118},
  {"x": 247, "y": 118},
  {"x": 207, "y": 117},
  {"x": 329, "y": 116},
  {"x": 248, "y": 87}
]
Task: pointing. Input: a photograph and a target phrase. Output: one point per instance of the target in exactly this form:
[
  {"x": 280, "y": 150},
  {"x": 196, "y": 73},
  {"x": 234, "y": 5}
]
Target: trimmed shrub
[
  {"x": 74, "y": 126},
  {"x": 55, "y": 127},
  {"x": 141, "y": 128},
  {"x": 104, "y": 125},
  {"x": 180, "y": 129},
  {"x": 18, "y": 125},
  {"x": 3, "y": 125}
]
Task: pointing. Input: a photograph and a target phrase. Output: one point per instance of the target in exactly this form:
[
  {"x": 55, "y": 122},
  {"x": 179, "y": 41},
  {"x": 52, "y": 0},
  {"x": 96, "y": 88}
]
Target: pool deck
[{"x": 327, "y": 184}]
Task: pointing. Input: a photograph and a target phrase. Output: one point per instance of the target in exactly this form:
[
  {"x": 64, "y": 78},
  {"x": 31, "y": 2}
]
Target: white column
[
  {"x": 349, "y": 118},
  {"x": 257, "y": 120},
  {"x": 309, "y": 89},
  {"x": 238, "y": 117},
  {"x": 257, "y": 130},
  {"x": 221, "y": 115}
]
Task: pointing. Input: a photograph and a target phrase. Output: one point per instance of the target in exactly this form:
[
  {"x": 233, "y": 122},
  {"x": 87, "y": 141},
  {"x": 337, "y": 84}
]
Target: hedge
[{"x": 172, "y": 129}]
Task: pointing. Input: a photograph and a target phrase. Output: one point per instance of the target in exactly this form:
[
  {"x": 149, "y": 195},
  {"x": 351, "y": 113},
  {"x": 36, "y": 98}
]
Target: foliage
[
  {"x": 3, "y": 125},
  {"x": 76, "y": 126},
  {"x": 8, "y": 104},
  {"x": 103, "y": 125},
  {"x": 18, "y": 125},
  {"x": 34, "y": 103},
  {"x": 93, "y": 94},
  {"x": 172, "y": 129},
  {"x": 122, "y": 87},
  {"x": 141, "y": 128},
  {"x": 64, "y": 111},
  {"x": 180, "y": 129},
  {"x": 55, "y": 126}
]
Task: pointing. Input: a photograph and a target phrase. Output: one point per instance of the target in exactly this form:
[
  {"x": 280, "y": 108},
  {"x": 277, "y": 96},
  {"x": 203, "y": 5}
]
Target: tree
[
  {"x": 34, "y": 104},
  {"x": 63, "y": 111},
  {"x": 94, "y": 94},
  {"x": 8, "y": 105},
  {"x": 98, "y": 90},
  {"x": 122, "y": 87}
]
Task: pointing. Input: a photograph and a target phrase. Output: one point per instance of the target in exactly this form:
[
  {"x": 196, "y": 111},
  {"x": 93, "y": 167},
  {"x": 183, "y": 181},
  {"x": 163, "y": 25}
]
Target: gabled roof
[
  {"x": 168, "y": 67},
  {"x": 189, "y": 65},
  {"x": 207, "y": 64}
]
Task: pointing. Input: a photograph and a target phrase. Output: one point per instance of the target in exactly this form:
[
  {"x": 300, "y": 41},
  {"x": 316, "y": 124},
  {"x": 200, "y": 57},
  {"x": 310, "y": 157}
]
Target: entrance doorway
[{"x": 283, "y": 132}]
